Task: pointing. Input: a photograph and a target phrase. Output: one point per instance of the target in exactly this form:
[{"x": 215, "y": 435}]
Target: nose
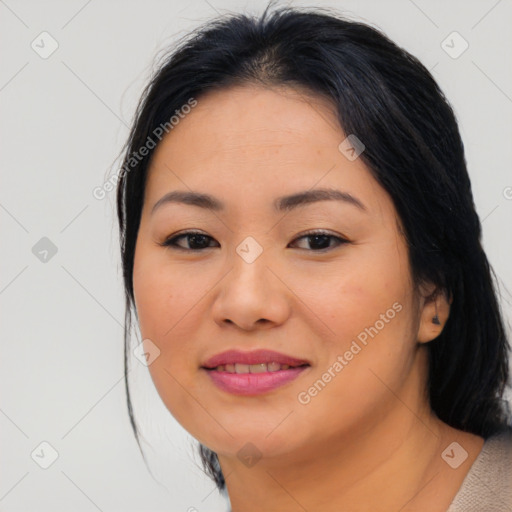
[{"x": 252, "y": 296}]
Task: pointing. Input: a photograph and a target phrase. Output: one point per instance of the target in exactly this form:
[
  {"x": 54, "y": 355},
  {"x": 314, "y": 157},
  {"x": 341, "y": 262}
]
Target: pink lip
[{"x": 253, "y": 383}]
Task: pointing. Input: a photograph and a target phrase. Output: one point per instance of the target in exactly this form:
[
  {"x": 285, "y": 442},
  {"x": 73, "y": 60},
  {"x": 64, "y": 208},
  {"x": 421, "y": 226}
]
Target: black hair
[{"x": 391, "y": 102}]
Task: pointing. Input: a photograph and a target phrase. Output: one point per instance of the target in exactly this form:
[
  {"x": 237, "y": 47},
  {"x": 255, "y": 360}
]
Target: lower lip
[{"x": 253, "y": 383}]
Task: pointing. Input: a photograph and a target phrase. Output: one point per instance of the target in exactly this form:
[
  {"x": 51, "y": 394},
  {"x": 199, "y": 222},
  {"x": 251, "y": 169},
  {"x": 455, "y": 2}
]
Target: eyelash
[{"x": 171, "y": 241}]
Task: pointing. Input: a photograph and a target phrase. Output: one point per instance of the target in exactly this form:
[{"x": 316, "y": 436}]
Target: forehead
[
  {"x": 252, "y": 122},
  {"x": 257, "y": 141}
]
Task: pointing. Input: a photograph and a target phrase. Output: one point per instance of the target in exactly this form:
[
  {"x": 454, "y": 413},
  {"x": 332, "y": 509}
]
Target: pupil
[
  {"x": 193, "y": 239},
  {"x": 324, "y": 237}
]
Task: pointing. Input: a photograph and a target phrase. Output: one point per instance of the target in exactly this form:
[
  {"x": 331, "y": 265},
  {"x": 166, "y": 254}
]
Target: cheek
[
  {"x": 169, "y": 301},
  {"x": 160, "y": 296},
  {"x": 369, "y": 311},
  {"x": 370, "y": 354},
  {"x": 166, "y": 315},
  {"x": 365, "y": 289}
]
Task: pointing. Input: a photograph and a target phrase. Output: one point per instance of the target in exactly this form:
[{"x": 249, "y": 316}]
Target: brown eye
[
  {"x": 197, "y": 241},
  {"x": 321, "y": 240}
]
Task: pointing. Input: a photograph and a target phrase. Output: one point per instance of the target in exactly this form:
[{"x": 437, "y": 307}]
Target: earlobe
[{"x": 434, "y": 315}]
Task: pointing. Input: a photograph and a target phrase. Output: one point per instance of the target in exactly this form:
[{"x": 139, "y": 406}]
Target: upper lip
[{"x": 252, "y": 357}]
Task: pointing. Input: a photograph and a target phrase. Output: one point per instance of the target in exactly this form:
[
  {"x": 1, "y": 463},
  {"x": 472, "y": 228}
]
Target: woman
[{"x": 302, "y": 252}]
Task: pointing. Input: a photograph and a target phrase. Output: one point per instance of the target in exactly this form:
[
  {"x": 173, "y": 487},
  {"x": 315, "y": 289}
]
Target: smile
[{"x": 252, "y": 373}]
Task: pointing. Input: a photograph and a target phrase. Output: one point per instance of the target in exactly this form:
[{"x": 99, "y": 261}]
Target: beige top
[{"x": 488, "y": 484}]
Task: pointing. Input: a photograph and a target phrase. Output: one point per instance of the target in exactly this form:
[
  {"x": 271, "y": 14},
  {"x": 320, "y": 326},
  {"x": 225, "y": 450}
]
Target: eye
[
  {"x": 197, "y": 241},
  {"x": 321, "y": 240}
]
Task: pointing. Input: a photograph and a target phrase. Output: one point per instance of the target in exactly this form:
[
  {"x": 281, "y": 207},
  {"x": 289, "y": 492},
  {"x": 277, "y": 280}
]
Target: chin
[{"x": 269, "y": 443}]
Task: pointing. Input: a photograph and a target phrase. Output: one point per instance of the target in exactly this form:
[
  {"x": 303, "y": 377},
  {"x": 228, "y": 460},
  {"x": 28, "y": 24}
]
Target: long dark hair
[{"x": 390, "y": 101}]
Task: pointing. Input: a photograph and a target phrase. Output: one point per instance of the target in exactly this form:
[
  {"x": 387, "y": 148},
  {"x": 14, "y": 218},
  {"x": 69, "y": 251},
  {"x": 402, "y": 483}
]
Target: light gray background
[{"x": 63, "y": 120}]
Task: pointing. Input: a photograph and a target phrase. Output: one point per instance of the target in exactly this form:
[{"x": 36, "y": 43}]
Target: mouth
[
  {"x": 241, "y": 361},
  {"x": 254, "y": 368},
  {"x": 253, "y": 373}
]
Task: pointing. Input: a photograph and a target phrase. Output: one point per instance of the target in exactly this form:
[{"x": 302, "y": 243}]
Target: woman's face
[{"x": 255, "y": 281}]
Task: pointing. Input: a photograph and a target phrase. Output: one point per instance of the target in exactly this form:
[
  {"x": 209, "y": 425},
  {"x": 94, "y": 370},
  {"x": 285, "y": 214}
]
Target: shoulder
[{"x": 488, "y": 484}]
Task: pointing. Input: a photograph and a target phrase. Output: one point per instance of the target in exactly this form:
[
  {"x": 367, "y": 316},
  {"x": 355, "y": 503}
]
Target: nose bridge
[
  {"x": 250, "y": 264},
  {"x": 250, "y": 250}
]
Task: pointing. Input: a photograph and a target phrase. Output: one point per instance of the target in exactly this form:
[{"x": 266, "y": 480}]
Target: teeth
[
  {"x": 273, "y": 367},
  {"x": 251, "y": 368},
  {"x": 256, "y": 368}
]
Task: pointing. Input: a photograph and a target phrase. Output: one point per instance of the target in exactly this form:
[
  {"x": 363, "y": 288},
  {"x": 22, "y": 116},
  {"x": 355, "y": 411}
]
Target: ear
[{"x": 434, "y": 312}]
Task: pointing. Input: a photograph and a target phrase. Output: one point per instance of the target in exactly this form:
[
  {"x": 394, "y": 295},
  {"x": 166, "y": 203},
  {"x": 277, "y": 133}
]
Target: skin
[{"x": 368, "y": 440}]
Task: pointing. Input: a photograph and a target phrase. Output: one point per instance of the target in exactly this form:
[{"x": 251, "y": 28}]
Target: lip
[
  {"x": 253, "y": 383},
  {"x": 252, "y": 357}
]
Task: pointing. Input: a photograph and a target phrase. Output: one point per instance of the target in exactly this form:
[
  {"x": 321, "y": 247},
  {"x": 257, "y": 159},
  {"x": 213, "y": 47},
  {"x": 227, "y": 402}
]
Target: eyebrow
[{"x": 284, "y": 203}]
